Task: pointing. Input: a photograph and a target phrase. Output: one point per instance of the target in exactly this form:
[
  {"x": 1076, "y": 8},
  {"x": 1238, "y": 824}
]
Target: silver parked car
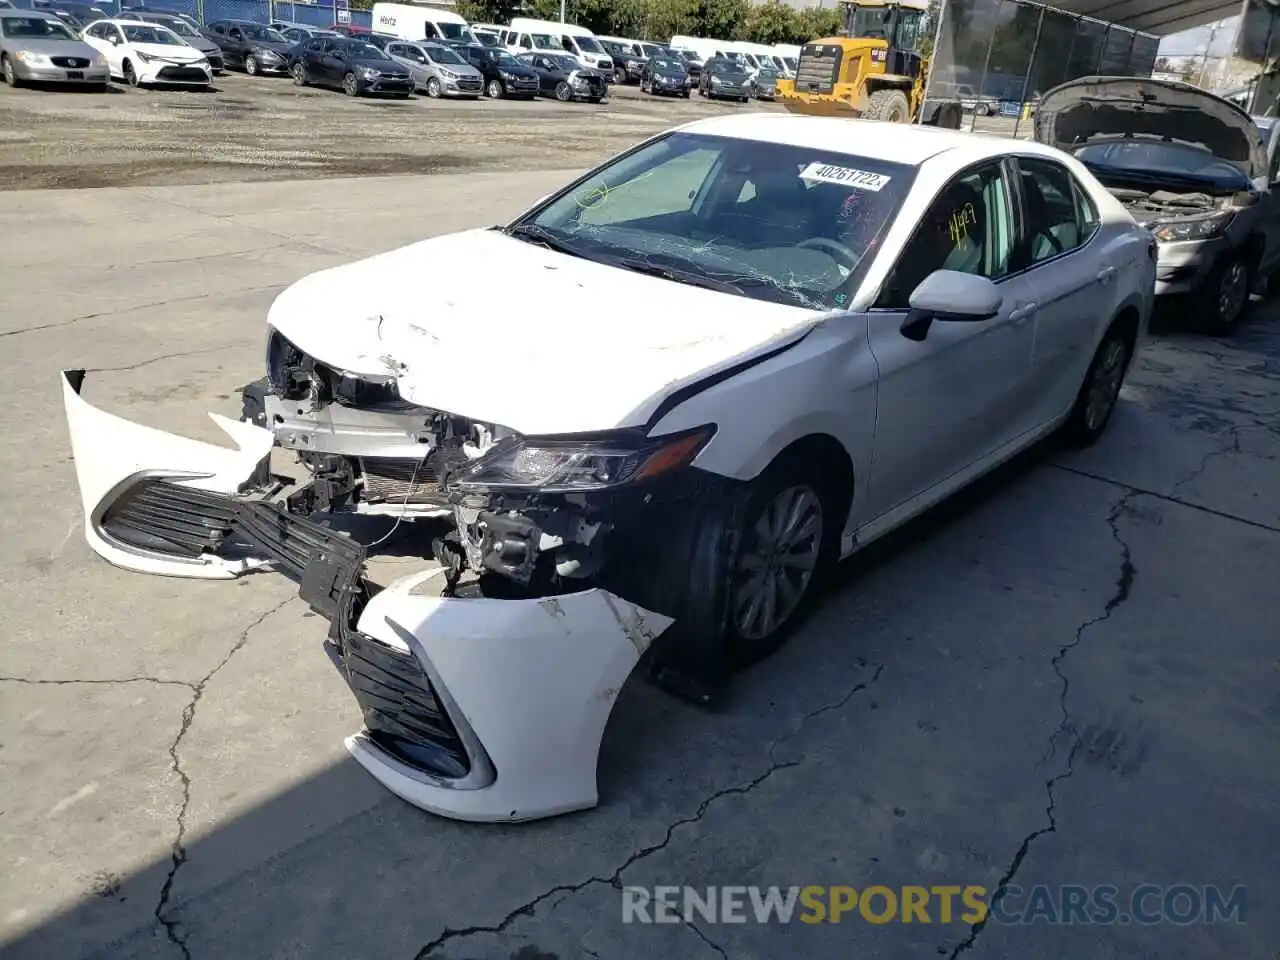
[
  {"x": 1189, "y": 166},
  {"x": 438, "y": 70},
  {"x": 37, "y": 47}
]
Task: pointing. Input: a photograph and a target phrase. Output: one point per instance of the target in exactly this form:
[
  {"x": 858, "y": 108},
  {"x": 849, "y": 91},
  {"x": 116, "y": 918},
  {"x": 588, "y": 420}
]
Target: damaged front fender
[{"x": 114, "y": 457}]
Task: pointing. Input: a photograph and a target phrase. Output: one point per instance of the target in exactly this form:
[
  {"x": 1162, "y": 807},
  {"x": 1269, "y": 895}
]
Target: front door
[{"x": 951, "y": 399}]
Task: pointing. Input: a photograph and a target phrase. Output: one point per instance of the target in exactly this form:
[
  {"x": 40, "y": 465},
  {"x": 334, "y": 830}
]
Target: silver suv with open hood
[{"x": 1189, "y": 166}]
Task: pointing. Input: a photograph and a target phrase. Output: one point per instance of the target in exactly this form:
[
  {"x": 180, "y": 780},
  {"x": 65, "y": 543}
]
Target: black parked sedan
[
  {"x": 665, "y": 75},
  {"x": 253, "y": 47},
  {"x": 504, "y": 75},
  {"x": 563, "y": 77},
  {"x": 352, "y": 66},
  {"x": 725, "y": 79}
]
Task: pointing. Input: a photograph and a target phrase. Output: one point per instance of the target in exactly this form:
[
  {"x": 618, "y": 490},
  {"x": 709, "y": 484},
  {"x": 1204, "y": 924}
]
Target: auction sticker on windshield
[{"x": 849, "y": 176}]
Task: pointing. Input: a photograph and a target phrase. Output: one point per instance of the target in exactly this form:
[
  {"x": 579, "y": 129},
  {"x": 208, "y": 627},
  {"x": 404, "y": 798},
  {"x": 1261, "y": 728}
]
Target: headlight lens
[
  {"x": 566, "y": 466},
  {"x": 448, "y": 74},
  {"x": 715, "y": 81},
  {"x": 143, "y": 57},
  {"x": 34, "y": 59},
  {"x": 99, "y": 61},
  {"x": 270, "y": 55},
  {"x": 368, "y": 72},
  {"x": 1199, "y": 228}
]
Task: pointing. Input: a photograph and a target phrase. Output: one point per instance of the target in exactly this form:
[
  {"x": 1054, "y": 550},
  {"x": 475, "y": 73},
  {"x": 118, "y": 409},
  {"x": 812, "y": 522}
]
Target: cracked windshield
[{"x": 769, "y": 221}]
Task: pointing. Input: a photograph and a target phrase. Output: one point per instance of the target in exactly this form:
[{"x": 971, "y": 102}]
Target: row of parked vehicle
[{"x": 76, "y": 43}]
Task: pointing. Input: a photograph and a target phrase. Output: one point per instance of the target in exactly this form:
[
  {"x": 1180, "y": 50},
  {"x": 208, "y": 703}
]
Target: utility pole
[
  {"x": 1204, "y": 61},
  {"x": 563, "y": 3}
]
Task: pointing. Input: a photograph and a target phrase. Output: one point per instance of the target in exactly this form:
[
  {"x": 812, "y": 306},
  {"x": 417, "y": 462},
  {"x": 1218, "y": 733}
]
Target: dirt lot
[{"x": 265, "y": 128}]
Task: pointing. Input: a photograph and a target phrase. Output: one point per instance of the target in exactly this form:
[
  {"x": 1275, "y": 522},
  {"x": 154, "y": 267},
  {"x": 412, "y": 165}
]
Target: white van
[
  {"x": 410, "y": 21},
  {"x": 525, "y": 34}
]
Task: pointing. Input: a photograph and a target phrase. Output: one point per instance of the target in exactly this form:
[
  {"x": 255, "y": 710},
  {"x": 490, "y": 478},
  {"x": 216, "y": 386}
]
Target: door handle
[
  {"x": 1106, "y": 274},
  {"x": 1024, "y": 312}
]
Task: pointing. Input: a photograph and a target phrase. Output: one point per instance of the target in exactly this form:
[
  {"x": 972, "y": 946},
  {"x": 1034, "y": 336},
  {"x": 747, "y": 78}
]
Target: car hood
[
  {"x": 565, "y": 346},
  {"x": 1100, "y": 108},
  {"x": 461, "y": 69},
  {"x": 521, "y": 71},
  {"x": 166, "y": 51},
  {"x": 203, "y": 44},
  {"x": 382, "y": 66},
  {"x": 51, "y": 48},
  {"x": 274, "y": 46}
]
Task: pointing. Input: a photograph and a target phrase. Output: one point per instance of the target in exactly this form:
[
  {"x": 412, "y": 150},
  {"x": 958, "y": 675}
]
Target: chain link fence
[{"x": 998, "y": 56}]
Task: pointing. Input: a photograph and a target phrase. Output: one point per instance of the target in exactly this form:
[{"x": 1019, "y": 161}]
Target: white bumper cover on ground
[{"x": 528, "y": 685}]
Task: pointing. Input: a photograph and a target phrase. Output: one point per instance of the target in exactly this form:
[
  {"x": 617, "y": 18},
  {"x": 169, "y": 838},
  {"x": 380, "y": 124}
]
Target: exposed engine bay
[
  {"x": 368, "y": 451},
  {"x": 1147, "y": 205}
]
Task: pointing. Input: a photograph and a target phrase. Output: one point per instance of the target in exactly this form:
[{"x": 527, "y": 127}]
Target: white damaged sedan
[{"x": 816, "y": 329}]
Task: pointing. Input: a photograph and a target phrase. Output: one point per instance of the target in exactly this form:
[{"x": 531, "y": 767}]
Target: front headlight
[
  {"x": 448, "y": 74},
  {"x": 715, "y": 81},
  {"x": 1198, "y": 228},
  {"x": 567, "y": 466},
  {"x": 32, "y": 59},
  {"x": 98, "y": 61},
  {"x": 143, "y": 57},
  {"x": 369, "y": 72},
  {"x": 271, "y": 55}
]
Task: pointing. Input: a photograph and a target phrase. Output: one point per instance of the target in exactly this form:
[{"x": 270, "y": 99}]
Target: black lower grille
[
  {"x": 70, "y": 63},
  {"x": 401, "y": 711},
  {"x": 215, "y": 62},
  {"x": 160, "y": 516},
  {"x": 181, "y": 75},
  {"x": 399, "y": 481}
]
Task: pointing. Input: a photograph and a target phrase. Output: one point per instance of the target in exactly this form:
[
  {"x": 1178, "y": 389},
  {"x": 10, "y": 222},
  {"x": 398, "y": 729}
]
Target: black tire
[
  {"x": 350, "y": 85},
  {"x": 251, "y": 65},
  {"x": 130, "y": 75},
  {"x": 685, "y": 93},
  {"x": 299, "y": 74},
  {"x": 739, "y": 644},
  {"x": 1096, "y": 401},
  {"x": 496, "y": 90},
  {"x": 1223, "y": 300},
  {"x": 564, "y": 93},
  {"x": 434, "y": 90},
  {"x": 619, "y": 75},
  {"x": 889, "y": 105},
  {"x": 10, "y": 75}
]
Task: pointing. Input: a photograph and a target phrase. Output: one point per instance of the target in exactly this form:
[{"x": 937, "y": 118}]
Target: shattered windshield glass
[{"x": 770, "y": 221}]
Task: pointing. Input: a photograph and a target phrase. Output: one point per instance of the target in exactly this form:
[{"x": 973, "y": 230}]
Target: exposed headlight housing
[
  {"x": 1193, "y": 228},
  {"x": 571, "y": 466}
]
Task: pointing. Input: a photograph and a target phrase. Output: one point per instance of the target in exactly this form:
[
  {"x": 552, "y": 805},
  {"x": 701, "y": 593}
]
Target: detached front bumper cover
[{"x": 476, "y": 709}]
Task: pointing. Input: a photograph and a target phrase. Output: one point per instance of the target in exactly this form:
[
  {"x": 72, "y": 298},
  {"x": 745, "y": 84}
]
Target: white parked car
[
  {"x": 141, "y": 53},
  {"x": 819, "y": 328}
]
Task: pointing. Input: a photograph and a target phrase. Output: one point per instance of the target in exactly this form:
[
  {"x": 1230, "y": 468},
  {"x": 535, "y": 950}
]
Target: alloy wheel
[
  {"x": 1233, "y": 292},
  {"x": 251, "y": 66},
  {"x": 776, "y": 566},
  {"x": 495, "y": 89},
  {"x": 1104, "y": 389}
]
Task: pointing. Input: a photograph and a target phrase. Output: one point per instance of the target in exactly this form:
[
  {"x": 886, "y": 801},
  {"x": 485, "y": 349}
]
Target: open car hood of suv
[
  {"x": 488, "y": 327},
  {"x": 1095, "y": 108}
]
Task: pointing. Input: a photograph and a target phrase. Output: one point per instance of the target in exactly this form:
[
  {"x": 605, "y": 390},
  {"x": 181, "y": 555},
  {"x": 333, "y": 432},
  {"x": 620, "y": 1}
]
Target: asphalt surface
[{"x": 1065, "y": 677}]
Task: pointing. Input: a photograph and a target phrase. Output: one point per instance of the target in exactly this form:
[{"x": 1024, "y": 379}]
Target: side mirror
[{"x": 949, "y": 295}]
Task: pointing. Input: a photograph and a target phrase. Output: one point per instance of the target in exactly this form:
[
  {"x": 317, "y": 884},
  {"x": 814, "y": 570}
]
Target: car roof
[{"x": 907, "y": 143}]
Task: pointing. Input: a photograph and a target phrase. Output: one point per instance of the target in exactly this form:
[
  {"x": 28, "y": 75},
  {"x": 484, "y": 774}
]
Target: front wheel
[
  {"x": 10, "y": 75},
  {"x": 433, "y": 89},
  {"x": 495, "y": 89},
  {"x": 1100, "y": 390},
  {"x": 1224, "y": 298},
  {"x": 251, "y": 65},
  {"x": 350, "y": 85},
  {"x": 130, "y": 75},
  {"x": 563, "y": 92},
  {"x": 299, "y": 73},
  {"x": 619, "y": 75}
]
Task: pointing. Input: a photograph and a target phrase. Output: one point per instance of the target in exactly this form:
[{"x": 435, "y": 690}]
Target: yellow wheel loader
[{"x": 873, "y": 71}]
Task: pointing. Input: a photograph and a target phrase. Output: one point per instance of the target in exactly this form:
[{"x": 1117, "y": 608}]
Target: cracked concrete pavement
[{"x": 1065, "y": 677}]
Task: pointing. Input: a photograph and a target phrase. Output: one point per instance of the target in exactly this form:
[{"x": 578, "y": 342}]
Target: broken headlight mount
[{"x": 542, "y": 505}]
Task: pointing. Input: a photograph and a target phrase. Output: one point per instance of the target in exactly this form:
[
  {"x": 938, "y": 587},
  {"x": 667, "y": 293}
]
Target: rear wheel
[
  {"x": 889, "y": 105},
  {"x": 1100, "y": 390}
]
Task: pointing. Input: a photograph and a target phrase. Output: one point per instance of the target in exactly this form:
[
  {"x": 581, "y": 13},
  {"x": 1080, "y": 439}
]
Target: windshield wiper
[
  {"x": 674, "y": 274},
  {"x": 532, "y": 233}
]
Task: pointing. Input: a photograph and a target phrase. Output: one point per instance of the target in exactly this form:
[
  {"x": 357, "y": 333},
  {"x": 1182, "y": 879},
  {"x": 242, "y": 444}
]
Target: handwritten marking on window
[{"x": 962, "y": 219}]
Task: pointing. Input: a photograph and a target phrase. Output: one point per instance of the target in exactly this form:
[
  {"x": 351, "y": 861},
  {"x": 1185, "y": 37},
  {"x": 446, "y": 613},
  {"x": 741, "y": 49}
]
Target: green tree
[
  {"x": 550, "y": 10},
  {"x": 813, "y": 23},
  {"x": 666, "y": 18},
  {"x": 720, "y": 18},
  {"x": 770, "y": 23},
  {"x": 489, "y": 11},
  {"x": 929, "y": 29}
]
